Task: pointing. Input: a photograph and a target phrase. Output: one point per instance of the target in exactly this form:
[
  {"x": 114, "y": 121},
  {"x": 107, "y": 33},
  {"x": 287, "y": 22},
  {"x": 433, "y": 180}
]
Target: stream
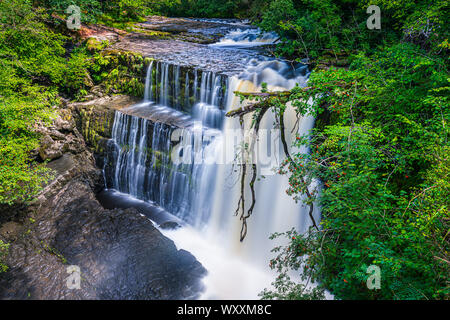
[{"x": 173, "y": 156}]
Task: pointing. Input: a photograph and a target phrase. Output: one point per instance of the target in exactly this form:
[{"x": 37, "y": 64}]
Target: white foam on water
[
  {"x": 240, "y": 270},
  {"x": 247, "y": 38},
  {"x": 229, "y": 277}
]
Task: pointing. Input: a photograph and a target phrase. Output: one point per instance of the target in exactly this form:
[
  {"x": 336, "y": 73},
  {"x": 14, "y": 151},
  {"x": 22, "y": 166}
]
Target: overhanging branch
[{"x": 263, "y": 106}]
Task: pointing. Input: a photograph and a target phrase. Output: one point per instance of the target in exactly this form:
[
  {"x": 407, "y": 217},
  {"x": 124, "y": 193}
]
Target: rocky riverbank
[{"x": 120, "y": 253}]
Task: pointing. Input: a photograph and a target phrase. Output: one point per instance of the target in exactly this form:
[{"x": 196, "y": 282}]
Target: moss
[
  {"x": 96, "y": 125},
  {"x": 94, "y": 45},
  {"x": 147, "y": 61},
  {"x": 53, "y": 251},
  {"x": 121, "y": 72},
  {"x": 4, "y": 247},
  {"x": 154, "y": 35}
]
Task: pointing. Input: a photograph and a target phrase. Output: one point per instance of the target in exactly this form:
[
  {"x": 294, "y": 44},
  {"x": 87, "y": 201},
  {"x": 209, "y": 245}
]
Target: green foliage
[
  {"x": 20, "y": 177},
  {"x": 202, "y": 8},
  {"x": 90, "y": 9},
  {"x": 27, "y": 48},
  {"x": 93, "y": 11},
  {"x": 384, "y": 162},
  {"x": 76, "y": 75},
  {"x": 3, "y": 252},
  {"x": 119, "y": 72},
  {"x": 125, "y": 10},
  {"x": 34, "y": 69},
  {"x": 380, "y": 147},
  {"x": 291, "y": 261},
  {"x": 32, "y": 55},
  {"x": 309, "y": 27}
]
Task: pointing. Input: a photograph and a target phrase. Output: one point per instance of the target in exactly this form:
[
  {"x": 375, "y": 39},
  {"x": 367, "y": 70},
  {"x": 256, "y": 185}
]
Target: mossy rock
[
  {"x": 94, "y": 45},
  {"x": 122, "y": 72}
]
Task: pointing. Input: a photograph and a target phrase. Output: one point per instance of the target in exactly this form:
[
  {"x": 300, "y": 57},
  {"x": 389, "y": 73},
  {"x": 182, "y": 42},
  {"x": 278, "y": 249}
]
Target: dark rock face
[
  {"x": 169, "y": 225},
  {"x": 132, "y": 259},
  {"x": 95, "y": 118}
]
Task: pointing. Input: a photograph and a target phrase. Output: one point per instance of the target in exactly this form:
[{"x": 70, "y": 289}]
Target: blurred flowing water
[{"x": 186, "y": 106}]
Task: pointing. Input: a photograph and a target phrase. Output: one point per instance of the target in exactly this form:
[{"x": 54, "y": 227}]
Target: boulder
[
  {"x": 169, "y": 225},
  {"x": 50, "y": 149}
]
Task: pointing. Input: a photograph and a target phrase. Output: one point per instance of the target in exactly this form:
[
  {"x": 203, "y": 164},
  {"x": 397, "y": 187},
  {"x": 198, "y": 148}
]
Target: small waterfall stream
[{"x": 186, "y": 107}]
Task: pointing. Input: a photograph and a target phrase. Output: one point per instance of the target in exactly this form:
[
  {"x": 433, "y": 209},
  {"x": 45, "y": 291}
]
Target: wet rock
[
  {"x": 169, "y": 225},
  {"x": 191, "y": 55},
  {"x": 135, "y": 261},
  {"x": 121, "y": 255},
  {"x": 199, "y": 31},
  {"x": 184, "y": 42}
]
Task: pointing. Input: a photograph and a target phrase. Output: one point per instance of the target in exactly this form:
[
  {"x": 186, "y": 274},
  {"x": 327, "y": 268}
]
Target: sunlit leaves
[{"x": 383, "y": 161}]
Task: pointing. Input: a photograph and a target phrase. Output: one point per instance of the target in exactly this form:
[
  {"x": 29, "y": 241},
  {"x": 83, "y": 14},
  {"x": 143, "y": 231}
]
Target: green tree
[{"x": 384, "y": 161}]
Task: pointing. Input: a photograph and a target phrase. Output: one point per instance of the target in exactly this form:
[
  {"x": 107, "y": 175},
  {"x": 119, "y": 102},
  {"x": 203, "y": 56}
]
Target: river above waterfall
[
  {"x": 188, "y": 89},
  {"x": 233, "y": 47}
]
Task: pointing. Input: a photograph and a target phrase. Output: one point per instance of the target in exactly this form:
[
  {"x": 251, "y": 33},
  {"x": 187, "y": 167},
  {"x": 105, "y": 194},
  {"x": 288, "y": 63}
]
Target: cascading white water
[
  {"x": 139, "y": 158},
  {"x": 205, "y": 194},
  {"x": 240, "y": 269},
  {"x": 247, "y": 38},
  {"x": 207, "y": 109},
  {"x": 204, "y": 98}
]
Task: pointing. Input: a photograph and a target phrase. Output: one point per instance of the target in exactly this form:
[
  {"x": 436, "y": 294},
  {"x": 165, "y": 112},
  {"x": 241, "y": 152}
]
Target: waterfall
[
  {"x": 243, "y": 266},
  {"x": 247, "y": 38},
  {"x": 275, "y": 211},
  {"x": 199, "y": 93},
  {"x": 148, "y": 91},
  {"x": 138, "y": 163},
  {"x": 138, "y": 160},
  {"x": 208, "y": 110},
  {"x": 186, "y": 108}
]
